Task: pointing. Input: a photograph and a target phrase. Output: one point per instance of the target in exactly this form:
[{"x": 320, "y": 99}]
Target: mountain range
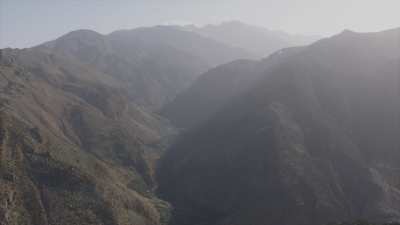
[
  {"x": 258, "y": 41},
  {"x": 313, "y": 139},
  {"x": 152, "y": 64},
  {"x": 79, "y": 132},
  {"x": 200, "y": 125}
]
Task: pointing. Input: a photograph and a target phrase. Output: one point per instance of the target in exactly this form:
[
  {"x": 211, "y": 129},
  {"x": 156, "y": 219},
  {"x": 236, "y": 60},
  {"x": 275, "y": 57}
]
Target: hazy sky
[{"x": 24, "y": 23}]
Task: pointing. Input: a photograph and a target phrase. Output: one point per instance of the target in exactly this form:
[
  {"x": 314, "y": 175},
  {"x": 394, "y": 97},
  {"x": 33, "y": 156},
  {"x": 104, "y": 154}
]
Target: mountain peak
[
  {"x": 228, "y": 24},
  {"x": 234, "y": 23},
  {"x": 82, "y": 33},
  {"x": 347, "y": 31}
]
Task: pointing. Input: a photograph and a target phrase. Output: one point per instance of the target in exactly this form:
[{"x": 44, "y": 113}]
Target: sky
[{"x": 25, "y": 23}]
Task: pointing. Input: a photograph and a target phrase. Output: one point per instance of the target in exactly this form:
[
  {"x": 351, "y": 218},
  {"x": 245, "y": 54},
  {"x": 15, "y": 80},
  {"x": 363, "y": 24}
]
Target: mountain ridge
[
  {"x": 258, "y": 40},
  {"x": 145, "y": 58}
]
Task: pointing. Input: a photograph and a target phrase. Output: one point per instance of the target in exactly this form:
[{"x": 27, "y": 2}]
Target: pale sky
[{"x": 24, "y": 23}]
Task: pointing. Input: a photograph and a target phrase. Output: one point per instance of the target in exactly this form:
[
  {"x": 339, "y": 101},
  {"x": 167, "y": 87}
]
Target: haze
[{"x": 45, "y": 20}]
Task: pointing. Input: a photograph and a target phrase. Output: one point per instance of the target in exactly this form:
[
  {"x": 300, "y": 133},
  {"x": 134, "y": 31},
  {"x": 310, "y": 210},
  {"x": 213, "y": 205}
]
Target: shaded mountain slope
[
  {"x": 208, "y": 93},
  {"x": 72, "y": 145},
  {"x": 216, "y": 88},
  {"x": 314, "y": 141}
]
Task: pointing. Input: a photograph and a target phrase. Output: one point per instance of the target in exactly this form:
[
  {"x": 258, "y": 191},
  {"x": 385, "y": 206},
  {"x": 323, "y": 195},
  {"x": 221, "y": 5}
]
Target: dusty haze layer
[{"x": 26, "y": 18}]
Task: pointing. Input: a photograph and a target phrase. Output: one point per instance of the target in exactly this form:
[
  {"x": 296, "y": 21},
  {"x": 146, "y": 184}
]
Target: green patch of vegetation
[
  {"x": 139, "y": 186},
  {"x": 164, "y": 209}
]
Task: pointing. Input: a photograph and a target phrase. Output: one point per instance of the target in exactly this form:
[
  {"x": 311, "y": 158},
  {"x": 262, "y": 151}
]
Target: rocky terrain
[
  {"x": 72, "y": 146},
  {"x": 180, "y": 125},
  {"x": 79, "y": 140},
  {"x": 79, "y": 135}
]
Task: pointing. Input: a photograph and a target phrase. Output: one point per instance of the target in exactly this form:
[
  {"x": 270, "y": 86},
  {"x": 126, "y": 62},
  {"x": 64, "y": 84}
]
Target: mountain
[
  {"x": 259, "y": 41},
  {"x": 78, "y": 133},
  {"x": 216, "y": 88},
  {"x": 306, "y": 136},
  {"x": 313, "y": 141},
  {"x": 153, "y": 64},
  {"x": 72, "y": 145}
]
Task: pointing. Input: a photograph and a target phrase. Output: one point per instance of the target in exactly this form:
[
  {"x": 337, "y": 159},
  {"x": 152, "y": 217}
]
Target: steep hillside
[
  {"x": 217, "y": 87},
  {"x": 72, "y": 146},
  {"x": 79, "y": 142},
  {"x": 314, "y": 141},
  {"x": 259, "y": 41}
]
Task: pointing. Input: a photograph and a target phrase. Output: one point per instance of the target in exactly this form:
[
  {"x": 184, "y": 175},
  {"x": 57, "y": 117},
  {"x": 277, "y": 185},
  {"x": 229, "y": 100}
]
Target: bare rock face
[{"x": 313, "y": 141}]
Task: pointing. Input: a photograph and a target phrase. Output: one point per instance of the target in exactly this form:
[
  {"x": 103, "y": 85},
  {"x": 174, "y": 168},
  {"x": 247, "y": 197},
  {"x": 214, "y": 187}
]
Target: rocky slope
[
  {"x": 72, "y": 145},
  {"x": 314, "y": 141},
  {"x": 79, "y": 140}
]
